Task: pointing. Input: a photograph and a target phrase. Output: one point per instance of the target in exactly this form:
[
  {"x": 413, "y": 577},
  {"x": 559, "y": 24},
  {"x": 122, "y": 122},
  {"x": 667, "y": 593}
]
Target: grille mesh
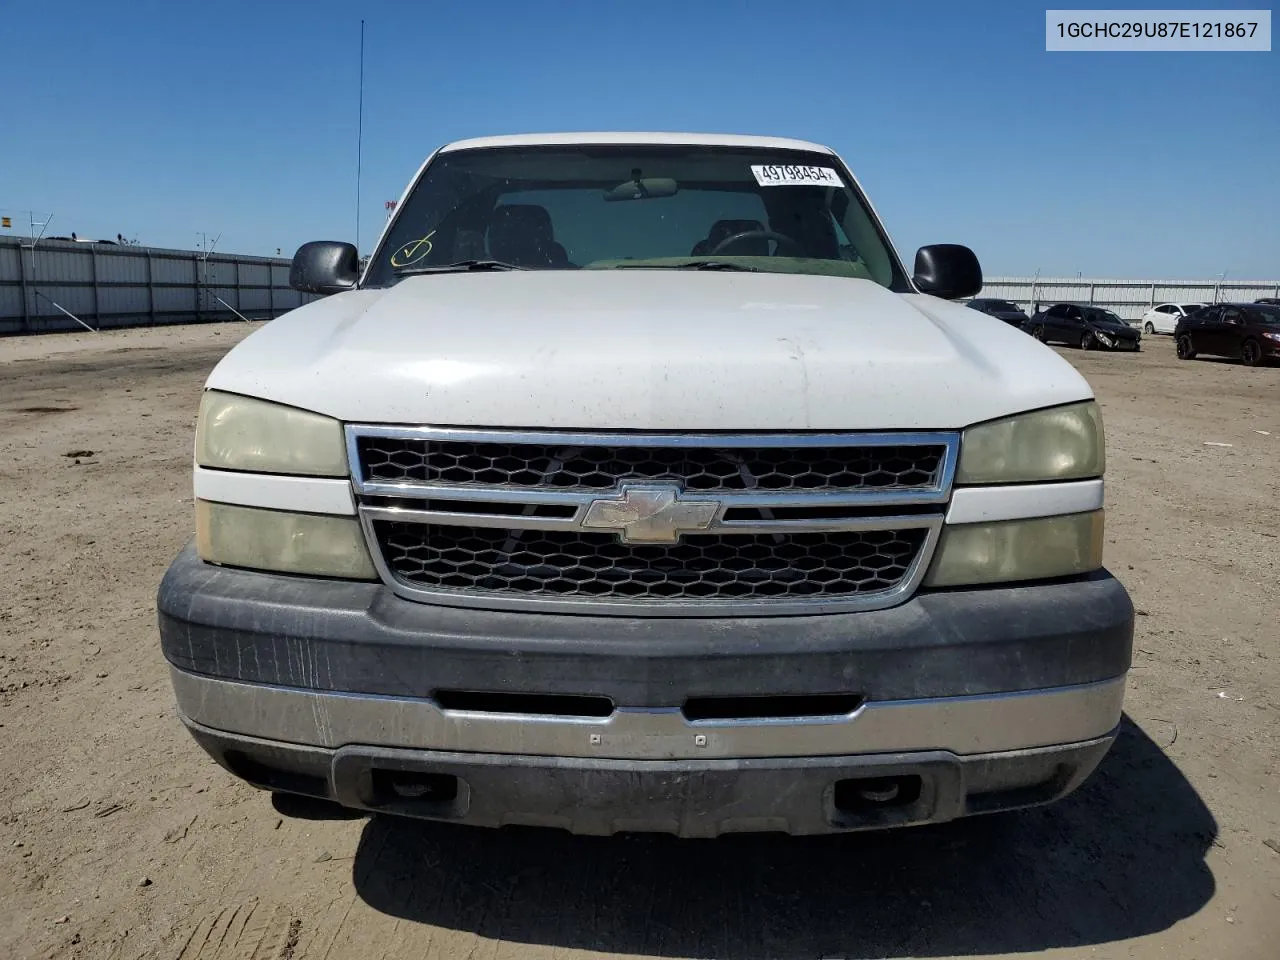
[
  {"x": 569, "y": 564},
  {"x": 403, "y": 460}
]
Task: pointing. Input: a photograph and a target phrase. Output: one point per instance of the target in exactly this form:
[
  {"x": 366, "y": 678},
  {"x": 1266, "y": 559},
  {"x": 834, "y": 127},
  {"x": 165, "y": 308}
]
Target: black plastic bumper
[
  {"x": 359, "y": 637},
  {"x": 797, "y": 795}
]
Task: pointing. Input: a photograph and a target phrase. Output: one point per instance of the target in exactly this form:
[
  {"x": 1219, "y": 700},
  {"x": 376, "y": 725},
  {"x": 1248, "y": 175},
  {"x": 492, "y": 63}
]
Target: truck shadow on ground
[{"x": 1122, "y": 857}]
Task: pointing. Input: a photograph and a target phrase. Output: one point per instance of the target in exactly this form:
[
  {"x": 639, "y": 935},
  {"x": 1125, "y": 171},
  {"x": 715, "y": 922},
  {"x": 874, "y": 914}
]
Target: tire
[
  {"x": 1251, "y": 353},
  {"x": 1038, "y": 333},
  {"x": 1184, "y": 348},
  {"x": 1087, "y": 342},
  {"x": 1148, "y": 328}
]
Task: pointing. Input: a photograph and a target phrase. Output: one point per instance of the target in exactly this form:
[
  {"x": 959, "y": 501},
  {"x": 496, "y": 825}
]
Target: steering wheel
[{"x": 781, "y": 239}]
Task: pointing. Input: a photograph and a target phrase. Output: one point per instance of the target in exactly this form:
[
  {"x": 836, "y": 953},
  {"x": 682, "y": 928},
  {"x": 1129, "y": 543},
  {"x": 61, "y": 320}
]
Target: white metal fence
[
  {"x": 1128, "y": 298},
  {"x": 47, "y": 287},
  {"x": 120, "y": 286}
]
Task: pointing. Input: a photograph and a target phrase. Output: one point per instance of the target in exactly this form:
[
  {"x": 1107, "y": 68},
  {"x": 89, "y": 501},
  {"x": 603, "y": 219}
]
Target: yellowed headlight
[
  {"x": 974, "y": 553},
  {"x": 241, "y": 433},
  {"x": 1065, "y": 443},
  {"x": 306, "y": 543}
]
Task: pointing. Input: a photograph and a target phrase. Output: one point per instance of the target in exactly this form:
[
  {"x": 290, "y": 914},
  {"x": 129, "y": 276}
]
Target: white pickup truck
[{"x": 635, "y": 485}]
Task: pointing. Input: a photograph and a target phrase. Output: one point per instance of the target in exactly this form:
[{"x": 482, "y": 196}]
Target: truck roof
[{"x": 707, "y": 139}]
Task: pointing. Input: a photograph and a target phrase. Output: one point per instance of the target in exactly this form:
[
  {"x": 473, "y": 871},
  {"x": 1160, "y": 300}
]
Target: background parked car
[
  {"x": 1010, "y": 313},
  {"x": 1090, "y": 328},
  {"x": 1248, "y": 331},
  {"x": 1274, "y": 301},
  {"x": 1164, "y": 317}
]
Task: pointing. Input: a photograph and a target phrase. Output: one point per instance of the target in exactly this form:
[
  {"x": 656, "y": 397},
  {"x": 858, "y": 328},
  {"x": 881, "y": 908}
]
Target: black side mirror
[
  {"x": 324, "y": 266},
  {"x": 947, "y": 270}
]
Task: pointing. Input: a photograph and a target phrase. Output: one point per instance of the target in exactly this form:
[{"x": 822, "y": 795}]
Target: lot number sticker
[{"x": 790, "y": 176}]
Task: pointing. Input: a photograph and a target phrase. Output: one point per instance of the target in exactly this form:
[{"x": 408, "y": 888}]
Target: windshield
[
  {"x": 637, "y": 207},
  {"x": 1267, "y": 314},
  {"x": 1103, "y": 316},
  {"x": 1004, "y": 306}
]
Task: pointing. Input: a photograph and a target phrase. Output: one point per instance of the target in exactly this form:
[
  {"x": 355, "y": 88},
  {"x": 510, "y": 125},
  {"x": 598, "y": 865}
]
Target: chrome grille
[
  {"x": 651, "y": 524},
  {"x": 569, "y": 564},
  {"x": 410, "y": 460}
]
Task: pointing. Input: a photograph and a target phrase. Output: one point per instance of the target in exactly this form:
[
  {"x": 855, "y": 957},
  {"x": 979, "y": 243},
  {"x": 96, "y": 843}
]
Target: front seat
[
  {"x": 722, "y": 230},
  {"x": 521, "y": 234}
]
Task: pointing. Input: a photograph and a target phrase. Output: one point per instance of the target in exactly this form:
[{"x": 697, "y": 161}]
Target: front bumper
[
  {"x": 1122, "y": 344},
  {"x": 690, "y": 798},
  {"x": 969, "y": 700}
]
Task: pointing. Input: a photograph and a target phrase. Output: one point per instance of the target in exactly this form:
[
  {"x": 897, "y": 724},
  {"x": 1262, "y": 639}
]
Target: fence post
[
  {"x": 22, "y": 277},
  {"x": 93, "y": 277},
  {"x": 199, "y": 291},
  {"x": 1091, "y": 289},
  {"x": 151, "y": 291}
]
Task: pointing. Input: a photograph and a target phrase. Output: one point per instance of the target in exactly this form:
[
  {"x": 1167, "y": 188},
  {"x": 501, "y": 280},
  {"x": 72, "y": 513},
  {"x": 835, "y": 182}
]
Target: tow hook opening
[
  {"x": 862, "y": 795},
  {"x": 399, "y": 788}
]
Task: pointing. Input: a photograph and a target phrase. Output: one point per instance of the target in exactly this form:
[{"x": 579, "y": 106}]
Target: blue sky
[{"x": 164, "y": 120}]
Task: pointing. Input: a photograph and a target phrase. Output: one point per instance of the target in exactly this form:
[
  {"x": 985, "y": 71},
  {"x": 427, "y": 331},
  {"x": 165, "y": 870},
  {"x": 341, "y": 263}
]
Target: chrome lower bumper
[{"x": 960, "y": 725}]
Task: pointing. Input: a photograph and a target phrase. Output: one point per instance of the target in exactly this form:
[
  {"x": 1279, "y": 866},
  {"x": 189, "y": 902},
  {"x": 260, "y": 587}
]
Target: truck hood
[{"x": 647, "y": 349}]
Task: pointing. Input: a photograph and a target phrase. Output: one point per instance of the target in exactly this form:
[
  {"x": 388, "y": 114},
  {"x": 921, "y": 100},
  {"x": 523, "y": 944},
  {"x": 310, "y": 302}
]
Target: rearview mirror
[
  {"x": 947, "y": 270},
  {"x": 325, "y": 267},
  {"x": 649, "y": 188}
]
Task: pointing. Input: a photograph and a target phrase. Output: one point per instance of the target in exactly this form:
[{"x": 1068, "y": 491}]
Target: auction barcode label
[{"x": 795, "y": 176}]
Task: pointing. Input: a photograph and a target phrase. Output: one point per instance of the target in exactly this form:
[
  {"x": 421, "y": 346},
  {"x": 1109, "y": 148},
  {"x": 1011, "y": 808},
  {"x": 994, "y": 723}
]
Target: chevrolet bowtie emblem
[{"x": 650, "y": 513}]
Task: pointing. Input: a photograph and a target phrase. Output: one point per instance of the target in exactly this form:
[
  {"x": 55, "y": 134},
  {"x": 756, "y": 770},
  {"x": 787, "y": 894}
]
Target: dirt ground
[{"x": 120, "y": 839}]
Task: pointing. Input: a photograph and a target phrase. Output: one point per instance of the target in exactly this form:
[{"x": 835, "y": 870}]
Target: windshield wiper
[
  {"x": 691, "y": 265},
  {"x": 462, "y": 266}
]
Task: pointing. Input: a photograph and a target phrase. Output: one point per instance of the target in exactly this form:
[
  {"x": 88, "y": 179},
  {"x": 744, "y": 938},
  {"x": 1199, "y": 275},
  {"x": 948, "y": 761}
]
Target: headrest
[
  {"x": 522, "y": 234},
  {"x": 526, "y": 218}
]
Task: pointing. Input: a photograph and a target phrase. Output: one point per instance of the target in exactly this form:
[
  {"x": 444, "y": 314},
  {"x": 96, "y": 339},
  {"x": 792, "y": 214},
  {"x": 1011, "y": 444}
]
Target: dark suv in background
[
  {"x": 1090, "y": 328},
  {"x": 1249, "y": 332},
  {"x": 1010, "y": 313}
]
